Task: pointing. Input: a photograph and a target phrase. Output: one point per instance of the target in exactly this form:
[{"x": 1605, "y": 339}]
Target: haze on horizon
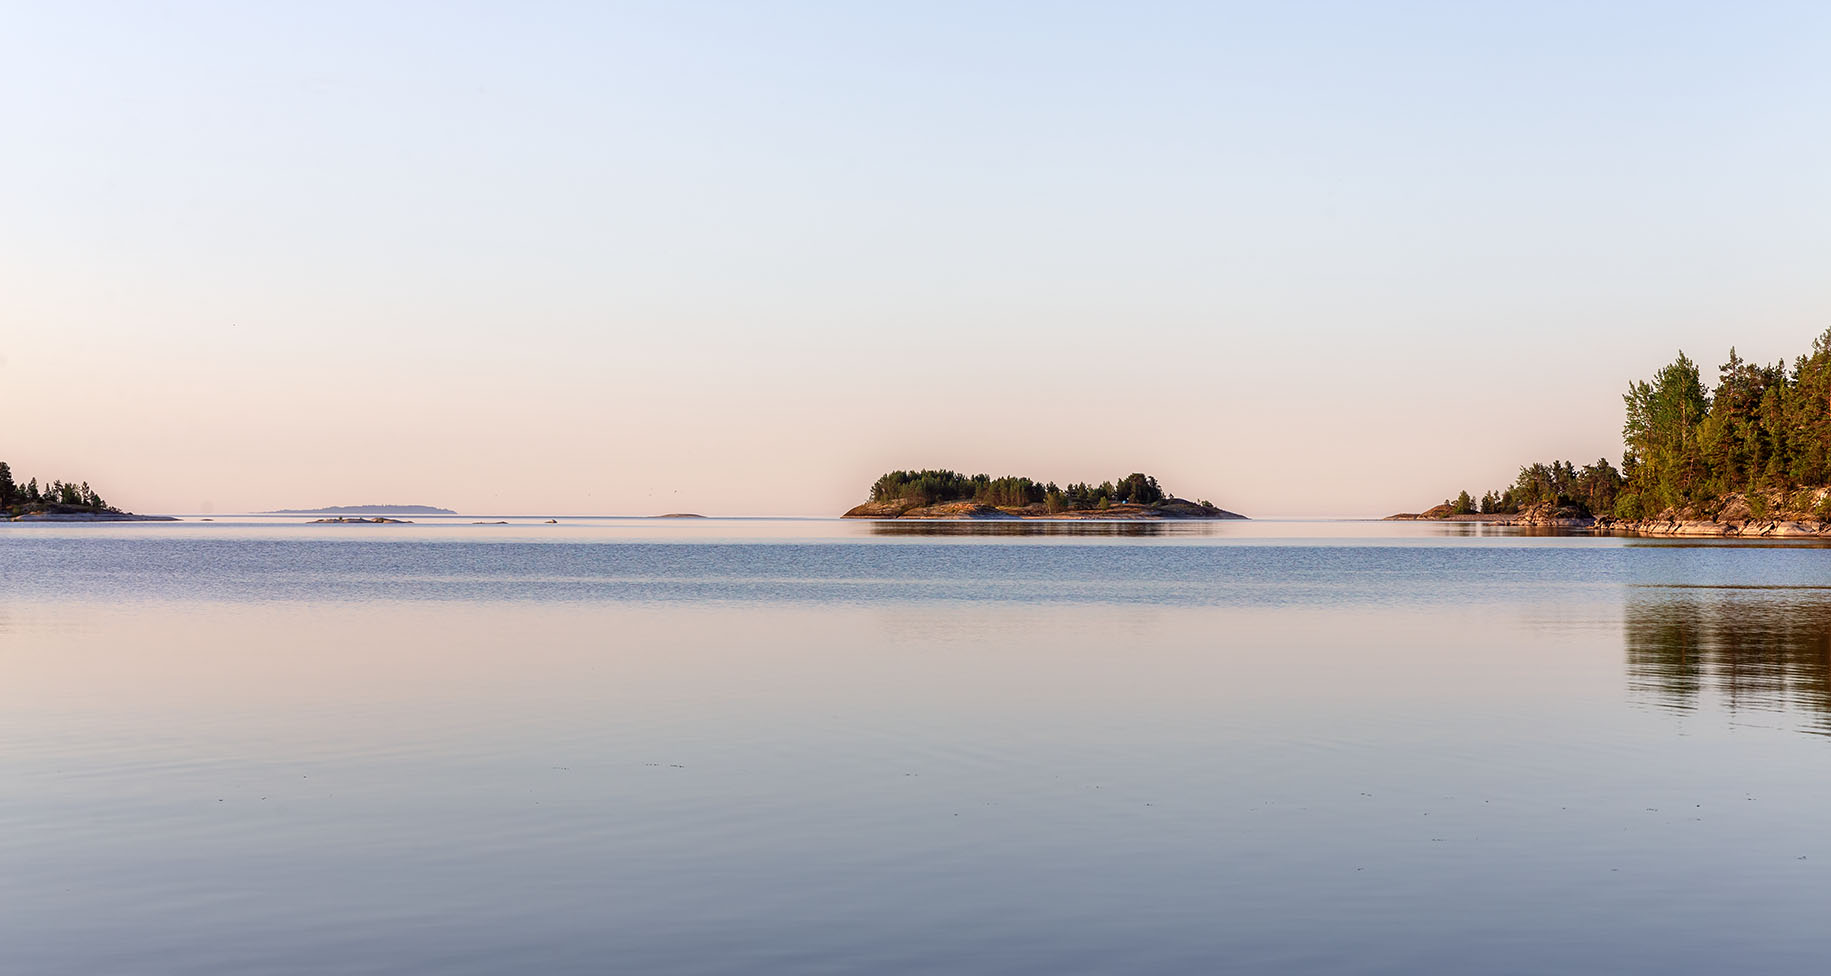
[{"x": 1314, "y": 258}]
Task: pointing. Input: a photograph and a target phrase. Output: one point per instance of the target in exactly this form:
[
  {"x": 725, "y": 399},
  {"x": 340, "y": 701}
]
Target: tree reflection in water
[
  {"x": 1746, "y": 648},
  {"x": 1038, "y": 527}
]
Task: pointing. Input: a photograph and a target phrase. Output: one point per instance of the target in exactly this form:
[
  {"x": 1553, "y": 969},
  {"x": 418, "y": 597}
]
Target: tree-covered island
[
  {"x": 943, "y": 494},
  {"x": 1751, "y": 456}
]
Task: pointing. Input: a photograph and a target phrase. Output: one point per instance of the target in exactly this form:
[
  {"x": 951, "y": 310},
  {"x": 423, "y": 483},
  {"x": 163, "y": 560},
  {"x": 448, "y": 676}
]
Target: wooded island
[{"x": 944, "y": 494}]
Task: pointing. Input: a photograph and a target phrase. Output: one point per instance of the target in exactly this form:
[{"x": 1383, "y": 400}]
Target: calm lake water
[{"x": 777, "y": 746}]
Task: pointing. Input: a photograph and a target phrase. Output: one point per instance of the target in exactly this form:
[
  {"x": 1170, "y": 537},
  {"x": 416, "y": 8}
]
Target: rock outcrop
[
  {"x": 86, "y": 517},
  {"x": 1803, "y": 515},
  {"x": 941, "y": 510},
  {"x": 1547, "y": 516},
  {"x": 1743, "y": 529}
]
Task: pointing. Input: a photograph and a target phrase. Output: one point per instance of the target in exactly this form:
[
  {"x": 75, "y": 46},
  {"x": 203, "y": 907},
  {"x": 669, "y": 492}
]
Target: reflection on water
[
  {"x": 1000, "y": 527},
  {"x": 704, "y": 747},
  {"x": 1756, "y": 648}
]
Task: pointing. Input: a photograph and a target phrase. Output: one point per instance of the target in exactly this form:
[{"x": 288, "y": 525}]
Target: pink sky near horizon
[{"x": 639, "y": 259}]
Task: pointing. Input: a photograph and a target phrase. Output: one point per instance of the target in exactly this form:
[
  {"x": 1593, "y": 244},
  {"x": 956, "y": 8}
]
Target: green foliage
[
  {"x": 929, "y": 487},
  {"x": 1591, "y": 488},
  {"x": 1138, "y": 489},
  {"x": 1464, "y": 504},
  {"x": 933, "y": 486},
  {"x": 1762, "y": 431},
  {"x": 13, "y": 498},
  {"x": 1764, "y": 428},
  {"x": 1662, "y": 432}
]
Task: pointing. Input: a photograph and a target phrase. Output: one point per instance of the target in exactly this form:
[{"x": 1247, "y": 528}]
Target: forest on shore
[
  {"x": 16, "y": 499},
  {"x": 1763, "y": 433}
]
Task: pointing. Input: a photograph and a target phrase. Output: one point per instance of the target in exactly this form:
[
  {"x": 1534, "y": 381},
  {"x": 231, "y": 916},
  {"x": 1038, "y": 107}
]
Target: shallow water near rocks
[{"x": 743, "y": 746}]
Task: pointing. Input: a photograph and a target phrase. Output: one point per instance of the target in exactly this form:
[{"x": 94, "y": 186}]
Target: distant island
[
  {"x": 364, "y": 510},
  {"x": 59, "y": 501},
  {"x": 1750, "y": 458},
  {"x": 943, "y": 494}
]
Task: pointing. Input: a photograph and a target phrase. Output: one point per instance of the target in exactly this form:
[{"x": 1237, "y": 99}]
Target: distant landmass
[
  {"x": 364, "y": 510},
  {"x": 931, "y": 494}
]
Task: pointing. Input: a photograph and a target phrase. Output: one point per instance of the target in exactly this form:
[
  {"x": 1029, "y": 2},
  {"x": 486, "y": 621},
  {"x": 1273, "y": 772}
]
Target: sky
[{"x": 741, "y": 258}]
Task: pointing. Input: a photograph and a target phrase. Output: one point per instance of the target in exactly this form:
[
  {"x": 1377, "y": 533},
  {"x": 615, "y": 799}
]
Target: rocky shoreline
[
  {"x": 1751, "y": 529},
  {"x": 89, "y": 517},
  {"x": 1172, "y": 509},
  {"x": 1732, "y": 521}
]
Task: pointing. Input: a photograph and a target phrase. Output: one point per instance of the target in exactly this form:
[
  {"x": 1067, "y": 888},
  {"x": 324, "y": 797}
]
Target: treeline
[
  {"x": 930, "y": 487},
  {"x": 1593, "y": 488},
  {"x": 13, "y": 496},
  {"x": 1763, "y": 431}
]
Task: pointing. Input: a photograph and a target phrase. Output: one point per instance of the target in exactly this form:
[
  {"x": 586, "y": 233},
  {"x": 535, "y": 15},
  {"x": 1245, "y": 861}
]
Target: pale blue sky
[{"x": 739, "y": 258}]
